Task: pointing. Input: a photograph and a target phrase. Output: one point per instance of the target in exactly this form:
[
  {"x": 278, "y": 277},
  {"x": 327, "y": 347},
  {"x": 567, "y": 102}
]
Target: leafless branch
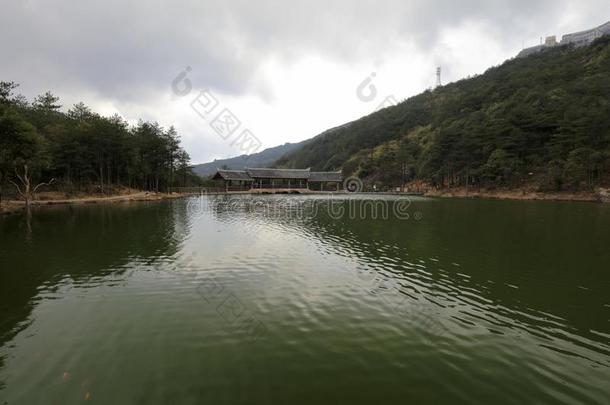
[
  {"x": 17, "y": 187},
  {"x": 19, "y": 177},
  {"x": 43, "y": 184}
]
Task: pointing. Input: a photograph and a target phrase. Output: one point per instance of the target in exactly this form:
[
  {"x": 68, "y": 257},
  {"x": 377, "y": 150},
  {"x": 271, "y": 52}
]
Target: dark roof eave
[
  {"x": 265, "y": 173},
  {"x": 232, "y": 175},
  {"x": 336, "y": 177}
]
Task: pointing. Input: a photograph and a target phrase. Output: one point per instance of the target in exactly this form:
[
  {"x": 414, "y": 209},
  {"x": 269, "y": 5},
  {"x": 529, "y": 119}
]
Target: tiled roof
[
  {"x": 302, "y": 174},
  {"x": 278, "y": 173},
  {"x": 232, "y": 175},
  {"x": 326, "y": 176}
]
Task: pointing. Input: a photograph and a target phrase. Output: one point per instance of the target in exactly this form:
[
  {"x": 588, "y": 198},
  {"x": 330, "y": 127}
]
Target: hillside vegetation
[{"x": 541, "y": 121}]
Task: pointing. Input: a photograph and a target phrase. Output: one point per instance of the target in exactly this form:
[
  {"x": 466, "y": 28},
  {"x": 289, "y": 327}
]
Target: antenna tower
[{"x": 438, "y": 77}]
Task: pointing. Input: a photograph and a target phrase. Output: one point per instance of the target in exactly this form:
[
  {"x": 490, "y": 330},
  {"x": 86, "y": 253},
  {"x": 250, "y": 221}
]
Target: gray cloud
[
  {"x": 128, "y": 52},
  {"x": 123, "y": 48}
]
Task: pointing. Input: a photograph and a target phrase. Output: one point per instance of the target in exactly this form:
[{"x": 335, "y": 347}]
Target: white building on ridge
[{"x": 577, "y": 39}]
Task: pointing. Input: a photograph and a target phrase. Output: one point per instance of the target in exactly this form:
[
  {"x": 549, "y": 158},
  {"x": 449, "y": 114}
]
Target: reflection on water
[
  {"x": 307, "y": 300},
  {"x": 46, "y": 255}
]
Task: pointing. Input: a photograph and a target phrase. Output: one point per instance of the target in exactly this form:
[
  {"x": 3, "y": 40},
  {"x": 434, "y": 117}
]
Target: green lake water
[{"x": 306, "y": 300}]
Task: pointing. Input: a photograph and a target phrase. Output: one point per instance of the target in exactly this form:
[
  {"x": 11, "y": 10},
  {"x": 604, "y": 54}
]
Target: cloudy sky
[{"x": 287, "y": 70}]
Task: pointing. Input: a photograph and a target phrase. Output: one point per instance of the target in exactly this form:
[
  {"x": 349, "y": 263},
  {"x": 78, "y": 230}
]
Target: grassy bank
[
  {"x": 601, "y": 195},
  {"x": 47, "y": 199}
]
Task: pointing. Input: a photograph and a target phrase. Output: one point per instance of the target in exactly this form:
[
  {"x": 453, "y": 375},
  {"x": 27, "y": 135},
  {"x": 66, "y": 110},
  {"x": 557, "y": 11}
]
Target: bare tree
[{"x": 26, "y": 191}]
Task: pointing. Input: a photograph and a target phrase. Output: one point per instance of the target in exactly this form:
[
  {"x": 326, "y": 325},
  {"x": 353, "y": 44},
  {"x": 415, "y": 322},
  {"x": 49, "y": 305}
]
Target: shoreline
[
  {"x": 13, "y": 206},
  {"x": 601, "y": 196}
]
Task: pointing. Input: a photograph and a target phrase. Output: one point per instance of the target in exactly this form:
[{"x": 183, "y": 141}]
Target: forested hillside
[
  {"x": 541, "y": 121},
  {"x": 81, "y": 150}
]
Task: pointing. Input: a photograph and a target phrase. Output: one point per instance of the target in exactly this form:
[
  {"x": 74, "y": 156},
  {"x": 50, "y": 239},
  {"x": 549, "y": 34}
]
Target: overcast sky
[{"x": 287, "y": 70}]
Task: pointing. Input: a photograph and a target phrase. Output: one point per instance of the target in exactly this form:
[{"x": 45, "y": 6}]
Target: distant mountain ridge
[{"x": 266, "y": 158}]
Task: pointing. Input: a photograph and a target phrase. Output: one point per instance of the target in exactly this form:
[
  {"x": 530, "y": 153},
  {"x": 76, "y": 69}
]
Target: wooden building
[{"x": 278, "y": 179}]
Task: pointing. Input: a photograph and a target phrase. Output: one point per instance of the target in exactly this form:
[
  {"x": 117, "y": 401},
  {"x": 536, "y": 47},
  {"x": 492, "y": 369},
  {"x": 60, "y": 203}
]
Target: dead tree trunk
[
  {"x": 25, "y": 190},
  {"x": 102, "y": 178},
  {"x": 1, "y": 180}
]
